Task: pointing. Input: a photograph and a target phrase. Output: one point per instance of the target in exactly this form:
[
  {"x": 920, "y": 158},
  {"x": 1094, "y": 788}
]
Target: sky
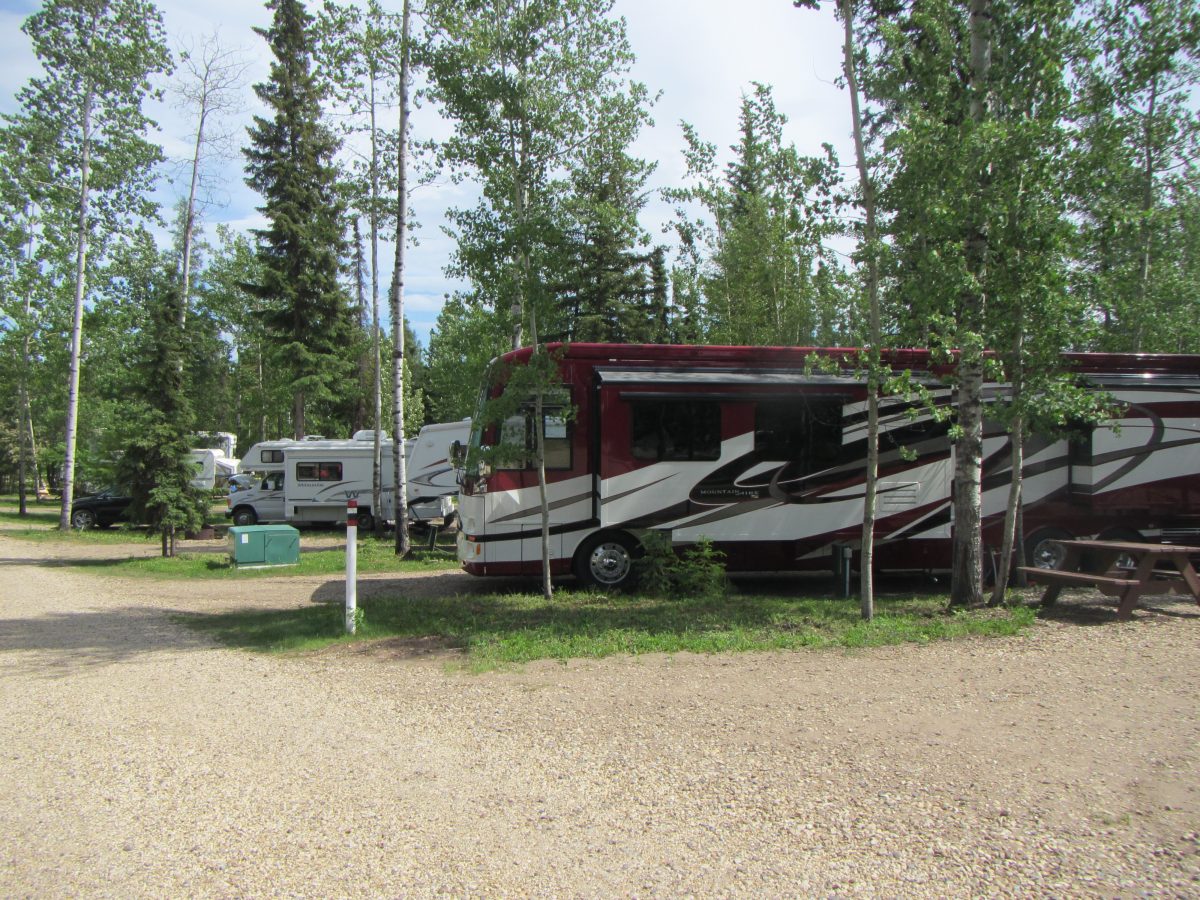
[{"x": 700, "y": 55}]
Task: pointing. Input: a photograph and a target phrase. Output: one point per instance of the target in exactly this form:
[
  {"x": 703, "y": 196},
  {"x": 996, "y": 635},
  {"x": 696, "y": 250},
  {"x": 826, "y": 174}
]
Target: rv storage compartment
[{"x": 264, "y": 545}]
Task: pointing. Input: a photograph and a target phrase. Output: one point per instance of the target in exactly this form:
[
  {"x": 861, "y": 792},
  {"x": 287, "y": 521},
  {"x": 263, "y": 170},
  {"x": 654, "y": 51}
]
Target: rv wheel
[
  {"x": 1040, "y": 552},
  {"x": 366, "y": 521},
  {"x": 606, "y": 560},
  {"x": 244, "y": 515},
  {"x": 1127, "y": 535}
]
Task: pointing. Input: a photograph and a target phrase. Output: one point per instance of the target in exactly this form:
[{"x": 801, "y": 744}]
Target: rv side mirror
[{"x": 458, "y": 453}]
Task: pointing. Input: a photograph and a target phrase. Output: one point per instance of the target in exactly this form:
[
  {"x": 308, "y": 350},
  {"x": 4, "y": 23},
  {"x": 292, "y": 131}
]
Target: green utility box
[{"x": 254, "y": 546}]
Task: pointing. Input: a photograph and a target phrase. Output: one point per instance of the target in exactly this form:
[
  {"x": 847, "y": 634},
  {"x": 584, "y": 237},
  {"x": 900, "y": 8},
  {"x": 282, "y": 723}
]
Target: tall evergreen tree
[
  {"x": 290, "y": 161},
  {"x": 155, "y": 462}
]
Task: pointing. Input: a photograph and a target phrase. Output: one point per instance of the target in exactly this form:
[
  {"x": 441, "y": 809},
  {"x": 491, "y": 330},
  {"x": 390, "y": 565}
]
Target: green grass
[
  {"x": 41, "y": 524},
  {"x": 373, "y": 556},
  {"x": 499, "y": 629}
]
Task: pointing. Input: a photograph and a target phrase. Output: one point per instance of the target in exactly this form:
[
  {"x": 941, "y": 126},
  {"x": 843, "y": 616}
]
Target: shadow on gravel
[
  {"x": 66, "y": 643},
  {"x": 1095, "y": 610}
]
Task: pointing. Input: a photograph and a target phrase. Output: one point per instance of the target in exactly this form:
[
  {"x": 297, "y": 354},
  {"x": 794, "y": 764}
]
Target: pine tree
[
  {"x": 290, "y": 160},
  {"x": 155, "y": 464}
]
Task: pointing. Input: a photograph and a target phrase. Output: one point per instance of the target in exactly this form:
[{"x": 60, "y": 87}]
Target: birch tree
[
  {"x": 210, "y": 87},
  {"x": 528, "y": 84},
  {"x": 98, "y": 59}
]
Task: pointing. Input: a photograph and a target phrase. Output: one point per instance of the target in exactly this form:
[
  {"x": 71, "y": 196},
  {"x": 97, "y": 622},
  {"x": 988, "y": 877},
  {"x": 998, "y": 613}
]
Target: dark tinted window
[
  {"x": 271, "y": 456},
  {"x": 806, "y": 431},
  {"x": 675, "y": 429},
  {"x": 319, "y": 471}
]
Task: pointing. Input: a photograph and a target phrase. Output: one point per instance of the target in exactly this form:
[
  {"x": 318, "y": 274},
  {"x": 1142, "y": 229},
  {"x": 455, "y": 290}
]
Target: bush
[{"x": 698, "y": 572}]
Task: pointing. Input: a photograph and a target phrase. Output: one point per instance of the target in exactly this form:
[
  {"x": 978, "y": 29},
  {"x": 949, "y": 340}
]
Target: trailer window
[
  {"x": 806, "y": 431},
  {"x": 271, "y": 456},
  {"x": 675, "y": 429},
  {"x": 319, "y": 471}
]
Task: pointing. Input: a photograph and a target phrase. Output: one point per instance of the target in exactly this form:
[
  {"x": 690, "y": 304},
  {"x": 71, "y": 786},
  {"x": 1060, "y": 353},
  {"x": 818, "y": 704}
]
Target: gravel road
[{"x": 140, "y": 760}]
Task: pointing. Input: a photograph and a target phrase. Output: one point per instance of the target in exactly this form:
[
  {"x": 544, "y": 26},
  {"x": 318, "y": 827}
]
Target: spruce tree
[
  {"x": 306, "y": 313},
  {"x": 155, "y": 463}
]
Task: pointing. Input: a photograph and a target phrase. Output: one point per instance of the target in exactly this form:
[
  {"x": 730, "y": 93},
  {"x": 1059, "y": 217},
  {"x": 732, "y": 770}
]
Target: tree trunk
[
  {"x": 25, "y": 445},
  {"x": 376, "y": 349},
  {"x": 966, "y": 585},
  {"x": 866, "y": 586},
  {"x": 71, "y": 426},
  {"x": 1141, "y": 313},
  {"x": 403, "y": 544}
]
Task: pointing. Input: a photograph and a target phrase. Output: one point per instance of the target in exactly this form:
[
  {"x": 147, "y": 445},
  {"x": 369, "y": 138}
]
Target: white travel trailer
[
  {"x": 432, "y": 479},
  {"x": 213, "y": 467},
  {"x": 309, "y": 481}
]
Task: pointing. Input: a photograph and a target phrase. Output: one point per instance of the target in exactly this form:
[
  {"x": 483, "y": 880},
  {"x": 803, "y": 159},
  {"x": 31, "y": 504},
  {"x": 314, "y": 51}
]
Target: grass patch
[
  {"x": 501, "y": 629},
  {"x": 373, "y": 556}
]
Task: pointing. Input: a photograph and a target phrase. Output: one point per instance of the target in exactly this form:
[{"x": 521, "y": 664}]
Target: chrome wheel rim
[{"x": 610, "y": 563}]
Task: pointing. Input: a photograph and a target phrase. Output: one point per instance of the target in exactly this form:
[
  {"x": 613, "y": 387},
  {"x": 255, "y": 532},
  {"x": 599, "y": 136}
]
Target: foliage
[
  {"x": 290, "y": 162},
  {"x": 763, "y": 270},
  {"x": 698, "y": 571},
  {"x": 155, "y": 462}
]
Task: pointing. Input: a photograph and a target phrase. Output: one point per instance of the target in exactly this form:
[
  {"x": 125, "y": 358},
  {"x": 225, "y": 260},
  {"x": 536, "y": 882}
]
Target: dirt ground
[{"x": 140, "y": 759}]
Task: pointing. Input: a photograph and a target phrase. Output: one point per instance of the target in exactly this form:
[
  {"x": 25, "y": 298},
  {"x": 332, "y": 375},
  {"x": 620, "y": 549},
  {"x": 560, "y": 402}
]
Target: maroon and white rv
[{"x": 754, "y": 450}]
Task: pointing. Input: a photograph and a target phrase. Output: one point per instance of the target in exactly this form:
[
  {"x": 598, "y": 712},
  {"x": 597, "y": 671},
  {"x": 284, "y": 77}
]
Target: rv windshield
[{"x": 475, "y": 438}]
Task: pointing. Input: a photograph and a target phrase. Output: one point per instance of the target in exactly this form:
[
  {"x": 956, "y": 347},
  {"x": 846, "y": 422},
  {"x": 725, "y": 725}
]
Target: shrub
[{"x": 698, "y": 572}]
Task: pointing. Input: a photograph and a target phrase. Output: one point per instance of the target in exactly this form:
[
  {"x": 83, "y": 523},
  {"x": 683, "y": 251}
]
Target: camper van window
[
  {"x": 805, "y": 430},
  {"x": 319, "y": 471},
  {"x": 675, "y": 429},
  {"x": 271, "y": 456}
]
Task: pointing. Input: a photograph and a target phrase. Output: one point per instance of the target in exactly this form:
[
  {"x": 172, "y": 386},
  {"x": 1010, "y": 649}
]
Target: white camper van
[{"x": 309, "y": 481}]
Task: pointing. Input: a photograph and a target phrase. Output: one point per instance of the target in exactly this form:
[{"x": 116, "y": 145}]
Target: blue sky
[{"x": 701, "y": 54}]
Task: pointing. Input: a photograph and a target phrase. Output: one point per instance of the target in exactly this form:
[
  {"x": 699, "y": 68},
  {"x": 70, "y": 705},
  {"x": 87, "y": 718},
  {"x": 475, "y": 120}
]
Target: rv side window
[
  {"x": 675, "y": 429},
  {"x": 806, "y": 431},
  {"x": 319, "y": 471},
  {"x": 271, "y": 456}
]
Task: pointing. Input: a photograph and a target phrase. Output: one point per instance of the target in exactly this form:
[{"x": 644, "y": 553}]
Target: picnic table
[{"x": 1122, "y": 569}]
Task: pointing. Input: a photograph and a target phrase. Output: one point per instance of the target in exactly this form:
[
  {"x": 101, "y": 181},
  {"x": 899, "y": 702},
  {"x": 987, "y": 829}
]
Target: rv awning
[{"x": 721, "y": 376}]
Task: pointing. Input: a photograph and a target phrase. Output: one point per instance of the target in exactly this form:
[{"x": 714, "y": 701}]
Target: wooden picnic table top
[{"x": 1132, "y": 547}]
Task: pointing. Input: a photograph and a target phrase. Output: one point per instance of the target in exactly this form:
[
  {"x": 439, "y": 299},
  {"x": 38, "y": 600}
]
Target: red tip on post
[{"x": 351, "y": 513}]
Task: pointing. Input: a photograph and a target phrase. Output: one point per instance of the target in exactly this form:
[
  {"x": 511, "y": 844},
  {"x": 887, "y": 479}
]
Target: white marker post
[{"x": 351, "y": 563}]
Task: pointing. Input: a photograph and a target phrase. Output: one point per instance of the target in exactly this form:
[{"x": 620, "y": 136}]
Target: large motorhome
[
  {"x": 763, "y": 454},
  {"x": 309, "y": 481}
]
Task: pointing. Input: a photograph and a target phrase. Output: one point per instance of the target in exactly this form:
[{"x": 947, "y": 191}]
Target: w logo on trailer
[{"x": 351, "y": 495}]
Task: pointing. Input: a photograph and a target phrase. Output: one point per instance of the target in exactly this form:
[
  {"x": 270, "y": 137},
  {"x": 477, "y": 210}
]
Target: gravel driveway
[{"x": 140, "y": 760}]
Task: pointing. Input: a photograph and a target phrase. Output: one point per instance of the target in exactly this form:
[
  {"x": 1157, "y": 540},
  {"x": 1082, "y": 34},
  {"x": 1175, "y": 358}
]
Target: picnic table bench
[{"x": 1096, "y": 564}]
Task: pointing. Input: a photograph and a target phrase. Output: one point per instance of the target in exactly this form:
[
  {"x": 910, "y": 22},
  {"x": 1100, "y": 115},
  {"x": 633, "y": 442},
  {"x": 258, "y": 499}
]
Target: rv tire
[
  {"x": 1129, "y": 536},
  {"x": 366, "y": 521},
  {"x": 1041, "y": 553},
  {"x": 606, "y": 560},
  {"x": 244, "y": 515}
]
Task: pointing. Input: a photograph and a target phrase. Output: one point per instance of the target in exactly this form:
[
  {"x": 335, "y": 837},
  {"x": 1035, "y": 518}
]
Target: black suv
[{"x": 102, "y": 509}]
